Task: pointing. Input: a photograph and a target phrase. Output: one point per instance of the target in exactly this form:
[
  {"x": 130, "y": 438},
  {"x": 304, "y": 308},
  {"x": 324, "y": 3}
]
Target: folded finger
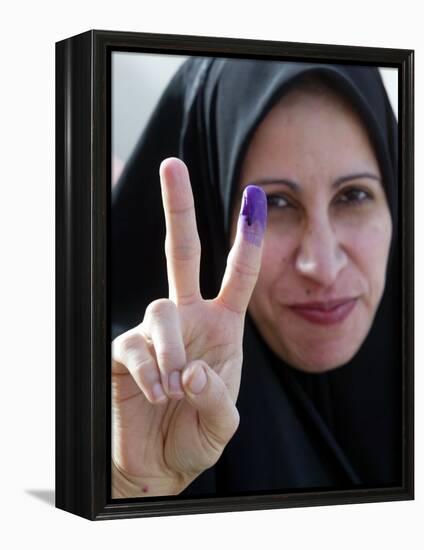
[
  {"x": 130, "y": 353},
  {"x": 208, "y": 394},
  {"x": 164, "y": 328},
  {"x": 244, "y": 259}
]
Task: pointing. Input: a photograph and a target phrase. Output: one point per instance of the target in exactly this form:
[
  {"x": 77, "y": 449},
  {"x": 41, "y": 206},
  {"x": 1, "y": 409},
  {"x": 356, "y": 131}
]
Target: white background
[{"x": 29, "y": 31}]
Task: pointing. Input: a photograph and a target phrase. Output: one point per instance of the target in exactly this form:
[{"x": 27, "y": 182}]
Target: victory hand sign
[{"x": 176, "y": 376}]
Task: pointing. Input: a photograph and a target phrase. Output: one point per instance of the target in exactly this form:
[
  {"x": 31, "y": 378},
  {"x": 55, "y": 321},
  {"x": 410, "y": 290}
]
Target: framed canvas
[{"x": 190, "y": 379}]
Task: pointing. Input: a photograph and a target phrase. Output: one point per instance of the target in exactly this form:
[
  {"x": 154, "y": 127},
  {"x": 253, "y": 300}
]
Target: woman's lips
[{"x": 325, "y": 313}]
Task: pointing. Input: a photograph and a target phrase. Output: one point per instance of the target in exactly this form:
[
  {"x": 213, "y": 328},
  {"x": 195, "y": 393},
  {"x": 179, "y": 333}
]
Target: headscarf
[{"x": 297, "y": 430}]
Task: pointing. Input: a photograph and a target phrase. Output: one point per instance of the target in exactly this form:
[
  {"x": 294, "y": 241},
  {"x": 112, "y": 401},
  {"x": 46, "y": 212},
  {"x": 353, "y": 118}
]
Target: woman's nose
[{"x": 320, "y": 255}]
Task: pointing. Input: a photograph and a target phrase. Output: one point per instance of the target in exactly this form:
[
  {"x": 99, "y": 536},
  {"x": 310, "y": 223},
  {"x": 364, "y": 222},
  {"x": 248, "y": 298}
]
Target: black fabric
[{"x": 297, "y": 430}]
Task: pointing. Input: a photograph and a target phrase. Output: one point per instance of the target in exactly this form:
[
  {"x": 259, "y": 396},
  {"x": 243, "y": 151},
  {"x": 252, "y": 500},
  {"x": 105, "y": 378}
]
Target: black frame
[{"x": 82, "y": 318}]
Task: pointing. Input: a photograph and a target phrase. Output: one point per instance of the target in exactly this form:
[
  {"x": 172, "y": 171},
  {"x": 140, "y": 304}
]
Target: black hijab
[{"x": 298, "y": 430}]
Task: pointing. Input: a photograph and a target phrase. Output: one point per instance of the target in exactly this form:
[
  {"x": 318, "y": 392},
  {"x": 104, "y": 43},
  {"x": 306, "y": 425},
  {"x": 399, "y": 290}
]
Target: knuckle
[
  {"x": 126, "y": 344},
  {"x": 243, "y": 269},
  {"x": 184, "y": 251},
  {"x": 182, "y": 207},
  {"x": 160, "y": 308},
  {"x": 143, "y": 369},
  {"x": 170, "y": 358}
]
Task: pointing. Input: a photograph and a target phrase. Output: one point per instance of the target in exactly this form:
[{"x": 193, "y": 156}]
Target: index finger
[
  {"x": 244, "y": 259},
  {"x": 182, "y": 243}
]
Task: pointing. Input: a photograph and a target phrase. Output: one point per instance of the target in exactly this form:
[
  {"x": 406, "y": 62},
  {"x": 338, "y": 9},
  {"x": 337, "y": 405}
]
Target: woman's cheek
[
  {"x": 368, "y": 247},
  {"x": 379, "y": 244},
  {"x": 277, "y": 247},
  {"x": 368, "y": 232},
  {"x": 275, "y": 260}
]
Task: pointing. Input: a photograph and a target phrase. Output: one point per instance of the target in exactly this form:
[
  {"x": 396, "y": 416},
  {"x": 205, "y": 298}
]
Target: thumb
[{"x": 208, "y": 394}]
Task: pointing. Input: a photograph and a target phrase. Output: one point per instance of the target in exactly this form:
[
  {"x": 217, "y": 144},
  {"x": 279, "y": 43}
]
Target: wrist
[{"x": 126, "y": 486}]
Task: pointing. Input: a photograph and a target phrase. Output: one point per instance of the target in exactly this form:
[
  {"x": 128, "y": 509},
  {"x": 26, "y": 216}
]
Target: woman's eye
[
  {"x": 277, "y": 201},
  {"x": 353, "y": 197}
]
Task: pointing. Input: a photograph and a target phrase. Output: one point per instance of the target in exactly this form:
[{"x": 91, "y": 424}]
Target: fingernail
[
  {"x": 197, "y": 380},
  {"x": 158, "y": 393},
  {"x": 253, "y": 214},
  {"x": 174, "y": 383}
]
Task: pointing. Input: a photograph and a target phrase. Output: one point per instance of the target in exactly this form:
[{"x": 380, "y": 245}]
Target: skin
[
  {"x": 176, "y": 376},
  {"x": 322, "y": 242}
]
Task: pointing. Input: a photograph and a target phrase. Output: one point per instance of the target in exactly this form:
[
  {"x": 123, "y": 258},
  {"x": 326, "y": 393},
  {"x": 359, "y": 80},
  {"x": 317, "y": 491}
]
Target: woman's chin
[
  {"x": 323, "y": 350},
  {"x": 319, "y": 367},
  {"x": 322, "y": 360},
  {"x": 320, "y": 357}
]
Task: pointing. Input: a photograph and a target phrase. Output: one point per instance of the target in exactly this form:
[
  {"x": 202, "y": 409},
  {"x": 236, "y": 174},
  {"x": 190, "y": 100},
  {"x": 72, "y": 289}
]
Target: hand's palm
[{"x": 169, "y": 437}]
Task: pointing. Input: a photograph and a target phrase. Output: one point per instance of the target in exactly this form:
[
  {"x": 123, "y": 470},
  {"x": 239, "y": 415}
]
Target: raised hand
[{"x": 176, "y": 376}]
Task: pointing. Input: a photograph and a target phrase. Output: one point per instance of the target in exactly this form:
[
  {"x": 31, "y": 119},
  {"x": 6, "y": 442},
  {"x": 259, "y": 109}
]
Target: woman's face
[{"x": 328, "y": 231}]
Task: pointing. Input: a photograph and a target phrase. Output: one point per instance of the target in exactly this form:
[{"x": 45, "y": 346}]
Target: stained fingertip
[
  {"x": 244, "y": 259},
  {"x": 253, "y": 214}
]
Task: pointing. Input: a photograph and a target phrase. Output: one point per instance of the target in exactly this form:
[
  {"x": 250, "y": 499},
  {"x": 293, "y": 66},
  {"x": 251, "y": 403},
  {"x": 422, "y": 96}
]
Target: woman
[{"x": 318, "y": 400}]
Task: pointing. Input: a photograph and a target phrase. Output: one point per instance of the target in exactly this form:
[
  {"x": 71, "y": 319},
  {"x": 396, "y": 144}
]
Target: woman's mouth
[{"x": 325, "y": 313}]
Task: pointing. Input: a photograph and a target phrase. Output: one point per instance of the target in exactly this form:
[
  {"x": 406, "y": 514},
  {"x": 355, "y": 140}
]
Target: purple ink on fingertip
[{"x": 253, "y": 214}]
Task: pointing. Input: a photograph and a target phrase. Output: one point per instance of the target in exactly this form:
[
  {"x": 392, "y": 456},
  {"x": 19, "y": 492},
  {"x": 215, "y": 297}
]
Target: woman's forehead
[{"x": 308, "y": 135}]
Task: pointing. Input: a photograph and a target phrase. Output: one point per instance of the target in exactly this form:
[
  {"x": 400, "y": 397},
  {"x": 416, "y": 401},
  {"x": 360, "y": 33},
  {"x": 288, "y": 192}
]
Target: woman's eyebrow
[
  {"x": 358, "y": 176},
  {"x": 269, "y": 181},
  {"x": 297, "y": 188}
]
